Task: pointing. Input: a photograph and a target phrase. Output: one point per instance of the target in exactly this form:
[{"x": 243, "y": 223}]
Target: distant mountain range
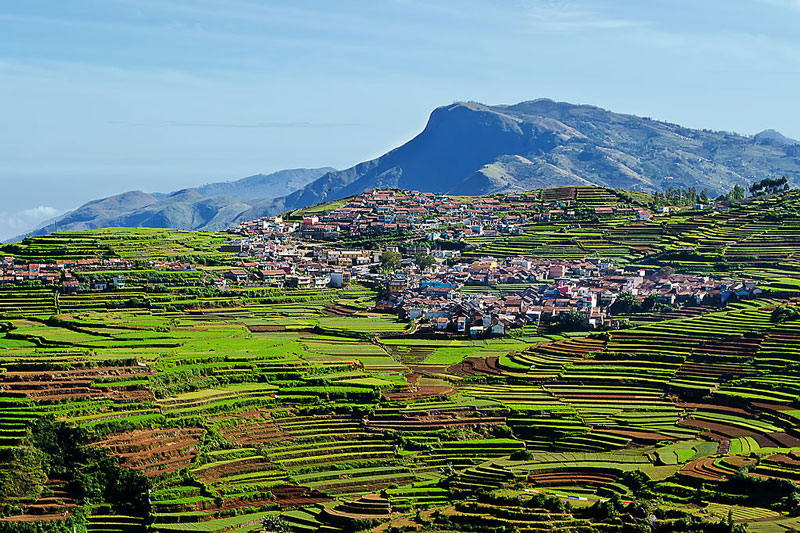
[
  {"x": 213, "y": 206},
  {"x": 469, "y": 149}
]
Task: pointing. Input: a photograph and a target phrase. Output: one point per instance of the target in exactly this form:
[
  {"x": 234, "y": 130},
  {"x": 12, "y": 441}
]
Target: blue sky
[{"x": 99, "y": 97}]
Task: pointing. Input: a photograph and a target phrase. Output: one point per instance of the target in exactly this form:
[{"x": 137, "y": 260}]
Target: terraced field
[
  {"x": 759, "y": 239},
  {"x": 225, "y": 421},
  {"x": 310, "y": 411}
]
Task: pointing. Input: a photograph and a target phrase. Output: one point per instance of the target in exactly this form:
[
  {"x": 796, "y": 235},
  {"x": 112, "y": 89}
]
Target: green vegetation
[
  {"x": 390, "y": 261},
  {"x": 175, "y": 406}
]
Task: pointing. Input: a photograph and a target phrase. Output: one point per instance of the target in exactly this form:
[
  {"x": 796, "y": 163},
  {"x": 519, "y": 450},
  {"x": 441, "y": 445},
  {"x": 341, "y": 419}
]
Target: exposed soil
[
  {"x": 704, "y": 468},
  {"x": 156, "y": 451},
  {"x": 75, "y": 384},
  {"x": 472, "y": 366}
]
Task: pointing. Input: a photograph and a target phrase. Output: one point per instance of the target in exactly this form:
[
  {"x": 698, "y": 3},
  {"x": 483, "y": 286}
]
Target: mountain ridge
[
  {"x": 210, "y": 206},
  {"x": 558, "y": 151}
]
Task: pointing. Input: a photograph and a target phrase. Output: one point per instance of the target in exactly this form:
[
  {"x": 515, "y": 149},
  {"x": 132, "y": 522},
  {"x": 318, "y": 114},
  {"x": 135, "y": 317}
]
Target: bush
[
  {"x": 502, "y": 431},
  {"x": 785, "y": 313},
  {"x": 521, "y": 455},
  {"x": 96, "y": 477}
]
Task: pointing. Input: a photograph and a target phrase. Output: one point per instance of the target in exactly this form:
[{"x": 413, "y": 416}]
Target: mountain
[
  {"x": 208, "y": 207},
  {"x": 774, "y": 137},
  {"x": 86, "y": 216},
  {"x": 469, "y": 148},
  {"x": 185, "y": 209},
  {"x": 263, "y": 186}
]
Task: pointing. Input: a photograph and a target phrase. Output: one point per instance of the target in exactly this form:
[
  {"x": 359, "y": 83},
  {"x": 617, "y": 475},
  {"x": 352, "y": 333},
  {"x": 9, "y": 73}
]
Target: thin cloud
[
  {"x": 169, "y": 29},
  {"x": 13, "y": 224},
  {"x": 793, "y": 5},
  {"x": 264, "y": 125},
  {"x": 557, "y": 17},
  {"x": 340, "y": 19}
]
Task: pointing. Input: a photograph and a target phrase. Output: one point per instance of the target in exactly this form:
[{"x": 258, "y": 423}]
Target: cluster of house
[
  {"x": 388, "y": 211},
  {"x": 272, "y": 264},
  {"x": 286, "y": 274},
  {"x": 65, "y": 274},
  {"x": 297, "y": 252},
  {"x": 292, "y": 253},
  {"x": 56, "y": 274},
  {"x": 12, "y": 272},
  {"x": 288, "y": 253},
  {"x": 436, "y": 216},
  {"x": 589, "y": 287},
  {"x": 294, "y": 265}
]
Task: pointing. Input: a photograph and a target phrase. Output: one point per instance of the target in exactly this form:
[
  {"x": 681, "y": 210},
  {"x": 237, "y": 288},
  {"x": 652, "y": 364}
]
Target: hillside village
[
  {"x": 432, "y": 296},
  {"x": 438, "y": 297},
  {"x": 436, "y": 216},
  {"x": 585, "y": 290},
  {"x": 295, "y": 253},
  {"x": 566, "y": 315}
]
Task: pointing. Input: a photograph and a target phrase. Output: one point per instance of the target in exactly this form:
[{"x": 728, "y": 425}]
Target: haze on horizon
[{"x": 100, "y": 97}]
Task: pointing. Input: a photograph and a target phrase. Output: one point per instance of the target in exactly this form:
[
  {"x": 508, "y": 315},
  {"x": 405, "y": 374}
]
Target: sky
[{"x": 98, "y": 97}]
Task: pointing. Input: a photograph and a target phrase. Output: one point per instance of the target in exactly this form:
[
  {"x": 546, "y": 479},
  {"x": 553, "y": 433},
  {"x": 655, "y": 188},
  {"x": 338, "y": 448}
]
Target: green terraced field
[{"x": 192, "y": 412}]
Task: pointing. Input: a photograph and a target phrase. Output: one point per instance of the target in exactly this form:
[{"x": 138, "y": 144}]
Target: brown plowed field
[
  {"x": 248, "y": 464},
  {"x": 704, "y": 468},
  {"x": 784, "y": 460},
  {"x": 154, "y": 451},
  {"x": 645, "y": 437},
  {"x": 421, "y": 392},
  {"x": 472, "y": 366},
  {"x": 75, "y": 384},
  {"x": 57, "y": 504},
  {"x": 784, "y": 439},
  {"x": 253, "y": 427},
  {"x": 715, "y": 427},
  {"x": 287, "y": 496},
  {"x": 338, "y": 310}
]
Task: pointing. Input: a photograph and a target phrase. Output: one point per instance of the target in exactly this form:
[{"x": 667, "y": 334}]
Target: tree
[
  {"x": 502, "y": 431},
  {"x": 390, "y": 261},
  {"x": 572, "y": 320},
  {"x": 23, "y": 475},
  {"x": 65, "y": 453},
  {"x": 607, "y": 509},
  {"x": 769, "y": 186},
  {"x": 649, "y": 302},
  {"x": 736, "y": 195},
  {"x": 626, "y": 302},
  {"x": 424, "y": 260}
]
